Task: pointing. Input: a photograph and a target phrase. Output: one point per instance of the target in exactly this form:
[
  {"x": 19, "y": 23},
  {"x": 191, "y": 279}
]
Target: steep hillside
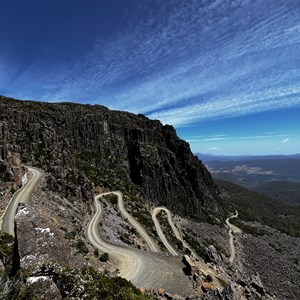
[
  {"x": 82, "y": 146},
  {"x": 254, "y": 206}
]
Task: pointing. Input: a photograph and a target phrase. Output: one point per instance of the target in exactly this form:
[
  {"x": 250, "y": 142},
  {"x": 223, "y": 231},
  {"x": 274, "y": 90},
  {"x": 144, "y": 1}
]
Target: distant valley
[{"x": 276, "y": 176}]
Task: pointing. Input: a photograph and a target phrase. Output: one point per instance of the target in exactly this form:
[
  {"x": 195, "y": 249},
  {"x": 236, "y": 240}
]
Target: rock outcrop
[
  {"x": 44, "y": 288},
  {"x": 11, "y": 169},
  {"x": 212, "y": 256},
  {"x": 37, "y": 241},
  {"x": 232, "y": 291},
  {"x": 84, "y": 145}
]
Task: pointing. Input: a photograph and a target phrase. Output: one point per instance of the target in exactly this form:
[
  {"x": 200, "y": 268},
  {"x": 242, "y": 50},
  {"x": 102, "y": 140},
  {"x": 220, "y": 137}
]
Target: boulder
[
  {"x": 212, "y": 255},
  {"x": 37, "y": 240}
]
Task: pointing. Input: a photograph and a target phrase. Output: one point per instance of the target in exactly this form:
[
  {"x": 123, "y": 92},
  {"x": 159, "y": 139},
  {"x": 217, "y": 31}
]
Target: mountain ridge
[{"x": 89, "y": 145}]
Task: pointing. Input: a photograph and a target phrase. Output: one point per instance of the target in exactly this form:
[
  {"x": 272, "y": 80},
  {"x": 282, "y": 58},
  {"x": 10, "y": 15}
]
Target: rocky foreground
[
  {"x": 53, "y": 261},
  {"x": 46, "y": 268}
]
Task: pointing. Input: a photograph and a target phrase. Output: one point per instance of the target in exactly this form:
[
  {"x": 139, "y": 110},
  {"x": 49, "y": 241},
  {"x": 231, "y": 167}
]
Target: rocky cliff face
[
  {"x": 82, "y": 146},
  {"x": 12, "y": 173}
]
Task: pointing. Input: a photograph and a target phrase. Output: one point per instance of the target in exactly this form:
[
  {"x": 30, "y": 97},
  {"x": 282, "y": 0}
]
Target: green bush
[
  {"x": 223, "y": 282},
  {"x": 6, "y": 250},
  {"x": 112, "y": 198},
  {"x": 104, "y": 257},
  {"x": 96, "y": 252},
  {"x": 21, "y": 292},
  {"x": 71, "y": 235},
  {"x": 81, "y": 247}
]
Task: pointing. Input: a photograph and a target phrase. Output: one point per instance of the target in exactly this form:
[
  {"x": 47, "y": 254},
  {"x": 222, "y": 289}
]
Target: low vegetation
[
  {"x": 96, "y": 252},
  {"x": 71, "y": 235},
  {"x": 112, "y": 198},
  {"x": 19, "y": 291},
  {"x": 80, "y": 284},
  {"x": 81, "y": 247},
  {"x": 76, "y": 284},
  {"x": 162, "y": 218},
  {"x": 195, "y": 245},
  {"x": 223, "y": 282},
  {"x": 144, "y": 217},
  {"x": 6, "y": 251},
  {"x": 248, "y": 228},
  {"x": 104, "y": 257}
]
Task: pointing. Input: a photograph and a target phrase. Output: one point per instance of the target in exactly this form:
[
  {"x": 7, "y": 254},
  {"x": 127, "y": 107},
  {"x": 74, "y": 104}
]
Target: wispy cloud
[
  {"x": 285, "y": 141},
  {"x": 208, "y": 139},
  {"x": 232, "y": 138},
  {"x": 213, "y": 149},
  {"x": 189, "y": 61},
  {"x": 198, "y": 65}
]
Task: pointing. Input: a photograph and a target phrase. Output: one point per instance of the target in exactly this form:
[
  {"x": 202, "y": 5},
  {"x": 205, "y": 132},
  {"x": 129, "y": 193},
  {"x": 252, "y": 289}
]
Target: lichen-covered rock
[
  {"x": 11, "y": 170},
  {"x": 38, "y": 242},
  {"x": 257, "y": 284},
  {"x": 212, "y": 256},
  {"x": 12, "y": 173},
  {"x": 44, "y": 288}
]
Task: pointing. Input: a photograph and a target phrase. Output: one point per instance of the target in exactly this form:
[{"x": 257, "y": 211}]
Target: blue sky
[{"x": 225, "y": 73}]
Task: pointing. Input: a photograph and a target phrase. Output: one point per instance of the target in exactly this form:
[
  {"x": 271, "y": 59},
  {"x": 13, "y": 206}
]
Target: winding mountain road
[
  {"x": 232, "y": 230},
  {"x": 160, "y": 233},
  {"x": 143, "y": 269},
  {"x": 22, "y": 195},
  {"x": 175, "y": 230},
  {"x": 127, "y": 263},
  {"x": 140, "y": 229}
]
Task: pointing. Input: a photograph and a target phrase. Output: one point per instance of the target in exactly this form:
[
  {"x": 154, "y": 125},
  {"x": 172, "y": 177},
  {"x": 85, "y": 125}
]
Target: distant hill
[
  {"x": 252, "y": 171},
  {"x": 210, "y": 157},
  {"x": 276, "y": 176}
]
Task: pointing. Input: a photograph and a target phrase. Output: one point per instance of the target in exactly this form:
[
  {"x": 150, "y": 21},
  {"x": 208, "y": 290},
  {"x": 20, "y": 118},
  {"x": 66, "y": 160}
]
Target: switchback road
[
  {"x": 175, "y": 230},
  {"x": 140, "y": 229},
  {"x": 143, "y": 269},
  {"x": 160, "y": 233}
]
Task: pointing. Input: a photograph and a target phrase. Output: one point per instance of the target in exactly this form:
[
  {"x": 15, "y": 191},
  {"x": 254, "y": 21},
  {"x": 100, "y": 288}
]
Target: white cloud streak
[
  {"x": 213, "y": 149},
  {"x": 285, "y": 141},
  {"x": 192, "y": 60},
  {"x": 232, "y": 138}
]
